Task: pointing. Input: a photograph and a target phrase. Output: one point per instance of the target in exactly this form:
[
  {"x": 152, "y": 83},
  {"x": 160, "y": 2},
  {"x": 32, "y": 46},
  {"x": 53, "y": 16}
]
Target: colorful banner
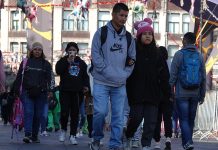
[
  {"x": 39, "y": 24},
  {"x": 193, "y": 7}
]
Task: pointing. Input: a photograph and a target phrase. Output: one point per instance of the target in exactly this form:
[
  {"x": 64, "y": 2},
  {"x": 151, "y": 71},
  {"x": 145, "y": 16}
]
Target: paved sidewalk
[{"x": 51, "y": 142}]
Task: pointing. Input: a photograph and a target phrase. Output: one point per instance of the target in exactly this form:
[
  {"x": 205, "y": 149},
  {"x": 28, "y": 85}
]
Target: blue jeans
[
  {"x": 102, "y": 94},
  {"x": 82, "y": 114},
  {"x": 187, "y": 111},
  {"x": 33, "y": 112},
  {"x": 44, "y": 117}
]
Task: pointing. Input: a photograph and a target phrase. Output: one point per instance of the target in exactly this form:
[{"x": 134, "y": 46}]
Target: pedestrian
[
  {"x": 2, "y": 74},
  {"x": 188, "y": 77},
  {"x": 112, "y": 64},
  {"x": 54, "y": 113},
  {"x": 164, "y": 111},
  {"x": 36, "y": 87},
  {"x": 146, "y": 85},
  {"x": 74, "y": 81}
]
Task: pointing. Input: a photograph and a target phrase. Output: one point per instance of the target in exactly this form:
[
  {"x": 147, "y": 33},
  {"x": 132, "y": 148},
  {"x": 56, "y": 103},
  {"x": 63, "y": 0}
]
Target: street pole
[{"x": 166, "y": 22}]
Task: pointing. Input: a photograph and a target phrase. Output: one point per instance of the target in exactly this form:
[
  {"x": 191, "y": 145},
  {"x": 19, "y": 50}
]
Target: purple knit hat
[{"x": 142, "y": 26}]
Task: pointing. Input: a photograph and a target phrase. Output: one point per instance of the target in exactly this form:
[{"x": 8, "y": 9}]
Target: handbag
[{"x": 34, "y": 92}]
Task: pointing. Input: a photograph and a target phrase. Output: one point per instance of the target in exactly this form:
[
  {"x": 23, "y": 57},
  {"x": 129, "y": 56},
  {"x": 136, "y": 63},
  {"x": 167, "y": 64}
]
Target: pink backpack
[{"x": 17, "y": 118}]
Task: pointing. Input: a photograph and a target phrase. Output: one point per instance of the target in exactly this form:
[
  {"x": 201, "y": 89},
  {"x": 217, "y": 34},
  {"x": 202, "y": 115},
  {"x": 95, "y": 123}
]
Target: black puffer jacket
[
  {"x": 37, "y": 72},
  {"x": 73, "y": 77},
  {"x": 149, "y": 80}
]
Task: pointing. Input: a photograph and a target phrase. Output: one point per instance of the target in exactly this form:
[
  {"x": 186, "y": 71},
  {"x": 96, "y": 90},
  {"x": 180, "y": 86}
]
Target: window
[
  {"x": 172, "y": 49},
  {"x": 15, "y": 20},
  {"x": 83, "y": 24},
  {"x": 173, "y": 23},
  {"x": 103, "y": 18},
  {"x": 14, "y": 47},
  {"x": 24, "y": 47},
  {"x": 83, "y": 48},
  {"x": 185, "y": 23},
  {"x": 24, "y": 25},
  {"x": 71, "y": 24},
  {"x": 68, "y": 21},
  {"x": 155, "y": 23}
]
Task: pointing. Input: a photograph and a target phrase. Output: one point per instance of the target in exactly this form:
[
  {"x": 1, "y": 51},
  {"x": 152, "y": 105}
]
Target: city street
[{"x": 51, "y": 142}]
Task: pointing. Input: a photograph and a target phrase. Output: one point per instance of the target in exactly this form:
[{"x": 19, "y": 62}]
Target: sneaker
[
  {"x": 49, "y": 129},
  {"x": 127, "y": 144},
  {"x": 79, "y": 134},
  {"x": 95, "y": 145},
  {"x": 44, "y": 133},
  {"x": 135, "y": 143},
  {"x": 168, "y": 146},
  {"x": 146, "y": 148},
  {"x": 157, "y": 145},
  {"x": 57, "y": 129},
  {"x": 35, "y": 139},
  {"x": 62, "y": 136},
  {"x": 73, "y": 140},
  {"x": 27, "y": 139}
]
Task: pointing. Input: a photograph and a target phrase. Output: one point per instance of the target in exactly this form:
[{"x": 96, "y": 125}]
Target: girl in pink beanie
[{"x": 146, "y": 85}]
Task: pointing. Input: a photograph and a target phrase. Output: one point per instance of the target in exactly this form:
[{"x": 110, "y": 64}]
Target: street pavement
[{"x": 51, "y": 142}]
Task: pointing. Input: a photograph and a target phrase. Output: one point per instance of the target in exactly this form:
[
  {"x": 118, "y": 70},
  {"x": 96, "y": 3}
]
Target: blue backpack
[{"x": 190, "y": 70}]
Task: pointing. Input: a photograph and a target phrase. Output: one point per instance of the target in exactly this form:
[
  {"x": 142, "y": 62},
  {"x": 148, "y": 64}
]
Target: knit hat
[
  {"x": 37, "y": 45},
  {"x": 142, "y": 26},
  {"x": 72, "y": 44}
]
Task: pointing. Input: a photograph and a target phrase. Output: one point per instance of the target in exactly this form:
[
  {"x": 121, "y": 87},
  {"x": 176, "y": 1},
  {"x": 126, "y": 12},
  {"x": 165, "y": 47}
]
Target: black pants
[
  {"x": 165, "y": 112},
  {"x": 89, "y": 120},
  {"x": 70, "y": 104},
  {"x": 137, "y": 112},
  {"x": 5, "y": 112}
]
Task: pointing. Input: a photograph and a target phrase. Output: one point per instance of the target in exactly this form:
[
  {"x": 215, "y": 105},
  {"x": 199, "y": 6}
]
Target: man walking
[
  {"x": 189, "y": 78},
  {"x": 112, "y": 64}
]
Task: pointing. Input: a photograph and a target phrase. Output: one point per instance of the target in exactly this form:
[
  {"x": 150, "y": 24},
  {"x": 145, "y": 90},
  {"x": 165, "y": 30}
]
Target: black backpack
[{"x": 104, "y": 37}]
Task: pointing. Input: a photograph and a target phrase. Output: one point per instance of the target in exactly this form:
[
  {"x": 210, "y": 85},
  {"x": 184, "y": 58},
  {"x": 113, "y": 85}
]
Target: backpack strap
[
  {"x": 128, "y": 39},
  {"x": 23, "y": 67},
  {"x": 103, "y": 34}
]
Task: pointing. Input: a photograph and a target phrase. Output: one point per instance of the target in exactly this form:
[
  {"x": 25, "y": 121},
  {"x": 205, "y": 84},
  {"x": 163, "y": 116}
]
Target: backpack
[
  {"x": 190, "y": 70},
  {"x": 17, "y": 116},
  {"x": 17, "y": 119},
  {"x": 104, "y": 37}
]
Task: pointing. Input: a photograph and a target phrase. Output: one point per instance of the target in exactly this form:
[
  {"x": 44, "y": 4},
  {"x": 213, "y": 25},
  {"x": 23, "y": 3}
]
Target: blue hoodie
[{"x": 109, "y": 60}]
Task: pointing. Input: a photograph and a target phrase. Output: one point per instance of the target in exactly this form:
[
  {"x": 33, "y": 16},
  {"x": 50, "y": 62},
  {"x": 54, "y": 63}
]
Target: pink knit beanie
[{"x": 142, "y": 26}]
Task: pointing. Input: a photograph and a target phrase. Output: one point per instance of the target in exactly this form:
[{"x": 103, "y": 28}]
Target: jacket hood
[
  {"x": 110, "y": 27},
  {"x": 190, "y": 47}
]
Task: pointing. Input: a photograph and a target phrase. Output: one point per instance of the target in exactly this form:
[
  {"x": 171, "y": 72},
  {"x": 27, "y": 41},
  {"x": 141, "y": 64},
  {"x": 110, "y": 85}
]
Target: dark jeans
[
  {"x": 33, "y": 112},
  {"x": 149, "y": 113},
  {"x": 70, "y": 104},
  {"x": 175, "y": 120},
  {"x": 82, "y": 114},
  {"x": 90, "y": 120},
  {"x": 165, "y": 112},
  {"x": 187, "y": 111}
]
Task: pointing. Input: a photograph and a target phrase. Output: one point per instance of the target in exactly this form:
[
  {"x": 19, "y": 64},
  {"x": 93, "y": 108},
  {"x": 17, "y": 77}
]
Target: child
[{"x": 145, "y": 85}]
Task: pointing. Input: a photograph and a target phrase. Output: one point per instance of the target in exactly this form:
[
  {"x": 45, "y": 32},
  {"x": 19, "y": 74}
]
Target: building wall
[{"x": 60, "y": 36}]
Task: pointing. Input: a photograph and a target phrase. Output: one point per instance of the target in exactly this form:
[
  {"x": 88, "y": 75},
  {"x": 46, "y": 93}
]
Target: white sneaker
[
  {"x": 44, "y": 133},
  {"x": 73, "y": 140},
  {"x": 79, "y": 134},
  {"x": 146, "y": 148},
  {"x": 62, "y": 136},
  {"x": 157, "y": 145},
  {"x": 135, "y": 143}
]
